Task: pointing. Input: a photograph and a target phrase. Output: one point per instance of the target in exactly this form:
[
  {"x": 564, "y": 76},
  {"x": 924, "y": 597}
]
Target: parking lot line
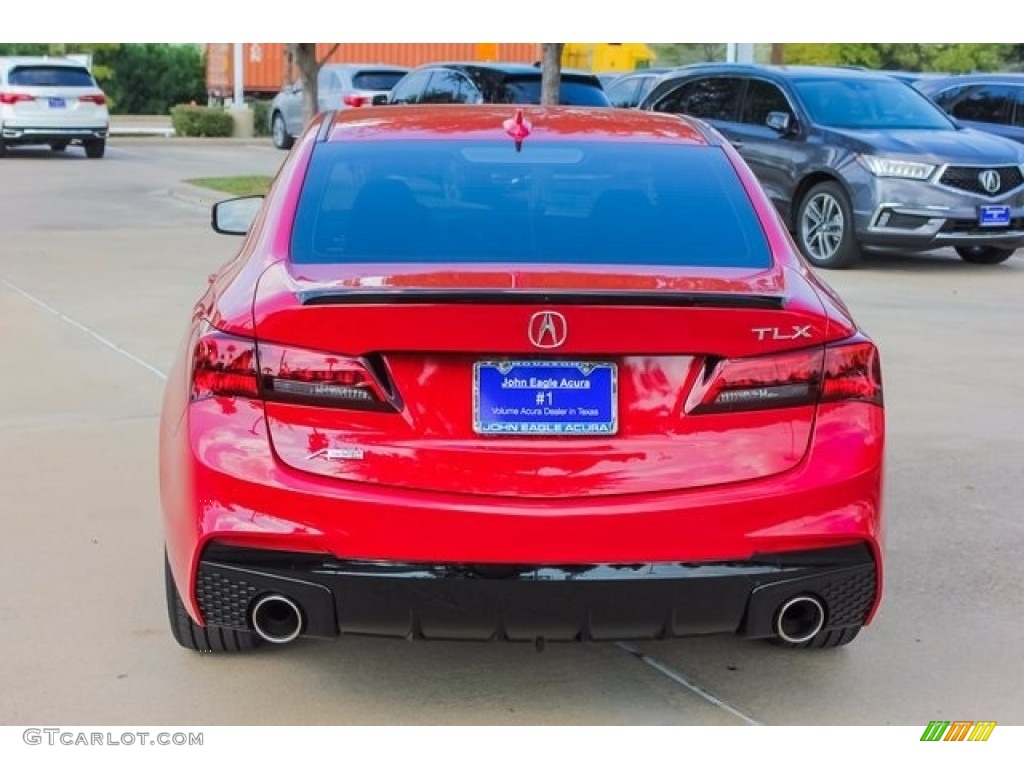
[
  {"x": 85, "y": 329},
  {"x": 677, "y": 677}
]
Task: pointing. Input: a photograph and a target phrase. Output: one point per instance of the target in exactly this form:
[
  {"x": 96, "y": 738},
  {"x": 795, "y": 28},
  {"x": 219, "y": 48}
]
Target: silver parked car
[
  {"x": 339, "y": 86},
  {"x": 51, "y": 101}
]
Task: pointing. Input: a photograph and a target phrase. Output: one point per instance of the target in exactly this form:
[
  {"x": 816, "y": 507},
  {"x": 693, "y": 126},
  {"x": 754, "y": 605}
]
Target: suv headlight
[{"x": 900, "y": 169}]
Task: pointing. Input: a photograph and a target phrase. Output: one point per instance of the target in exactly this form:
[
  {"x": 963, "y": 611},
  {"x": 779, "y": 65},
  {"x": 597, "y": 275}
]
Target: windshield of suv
[
  {"x": 44, "y": 76},
  {"x": 869, "y": 104},
  {"x": 449, "y": 202}
]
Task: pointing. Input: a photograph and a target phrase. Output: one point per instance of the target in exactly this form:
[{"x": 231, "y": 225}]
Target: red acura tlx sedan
[{"x": 512, "y": 373}]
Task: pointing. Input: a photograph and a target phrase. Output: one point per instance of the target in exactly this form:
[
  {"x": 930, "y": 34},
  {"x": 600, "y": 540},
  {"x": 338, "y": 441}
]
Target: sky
[{"x": 516, "y": 21}]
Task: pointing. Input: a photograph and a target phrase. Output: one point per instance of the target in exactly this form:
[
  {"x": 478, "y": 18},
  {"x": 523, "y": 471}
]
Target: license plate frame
[
  {"x": 994, "y": 216},
  {"x": 555, "y": 398}
]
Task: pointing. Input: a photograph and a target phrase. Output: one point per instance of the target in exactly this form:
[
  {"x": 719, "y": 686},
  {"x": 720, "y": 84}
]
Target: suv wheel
[
  {"x": 984, "y": 254},
  {"x": 205, "y": 639},
  {"x": 824, "y": 227},
  {"x": 280, "y": 132},
  {"x": 94, "y": 149}
]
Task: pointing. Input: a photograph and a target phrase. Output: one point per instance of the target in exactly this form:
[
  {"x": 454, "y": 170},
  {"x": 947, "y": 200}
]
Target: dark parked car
[
  {"x": 339, "y": 86},
  {"x": 857, "y": 158},
  {"x": 488, "y": 83},
  {"x": 992, "y": 102},
  {"x": 627, "y": 91}
]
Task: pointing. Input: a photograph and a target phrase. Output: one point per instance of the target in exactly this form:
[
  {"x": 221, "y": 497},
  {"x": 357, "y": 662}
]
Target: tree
[
  {"x": 551, "y": 72},
  {"x": 100, "y": 70},
  {"x": 304, "y": 56},
  {"x": 678, "y": 54},
  {"x": 915, "y": 57},
  {"x": 150, "y": 78}
]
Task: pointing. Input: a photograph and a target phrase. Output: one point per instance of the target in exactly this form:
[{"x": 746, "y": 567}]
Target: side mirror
[
  {"x": 379, "y": 99},
  {"x": 780, "y": 121},
  {"x": 235, "y": 216}
]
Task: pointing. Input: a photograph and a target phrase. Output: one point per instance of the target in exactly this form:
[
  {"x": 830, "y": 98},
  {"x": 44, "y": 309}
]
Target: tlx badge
[{"x": 780, "y": 334}]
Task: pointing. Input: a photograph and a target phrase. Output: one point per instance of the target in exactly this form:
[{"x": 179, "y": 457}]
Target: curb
[{"x": 150, "y": 140}]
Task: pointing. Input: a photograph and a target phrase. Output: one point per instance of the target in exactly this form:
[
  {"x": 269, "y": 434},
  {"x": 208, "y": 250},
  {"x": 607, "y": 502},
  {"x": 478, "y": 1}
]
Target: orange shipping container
[{"x": 266, "y": 66}]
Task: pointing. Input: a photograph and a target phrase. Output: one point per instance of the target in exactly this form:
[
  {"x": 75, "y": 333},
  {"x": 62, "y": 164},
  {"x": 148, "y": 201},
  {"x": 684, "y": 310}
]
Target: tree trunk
[
  {"x": 304, "y": 56},
  {"x": 778, "y": 53},
  {"x": 551, "y": 72}
]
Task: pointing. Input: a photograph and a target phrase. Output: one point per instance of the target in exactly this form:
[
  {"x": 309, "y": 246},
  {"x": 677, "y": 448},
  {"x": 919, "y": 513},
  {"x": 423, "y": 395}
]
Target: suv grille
[{"x": 965, "y": 177}]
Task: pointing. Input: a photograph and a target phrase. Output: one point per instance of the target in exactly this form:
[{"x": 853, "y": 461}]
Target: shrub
[
  {"x": 260, "y": 117},
  {"x": 190, "y": 120}
]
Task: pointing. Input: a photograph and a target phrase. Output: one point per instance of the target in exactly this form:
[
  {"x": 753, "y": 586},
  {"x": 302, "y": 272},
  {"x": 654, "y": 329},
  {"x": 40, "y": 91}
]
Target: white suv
[{"x": 51, "y": 101}]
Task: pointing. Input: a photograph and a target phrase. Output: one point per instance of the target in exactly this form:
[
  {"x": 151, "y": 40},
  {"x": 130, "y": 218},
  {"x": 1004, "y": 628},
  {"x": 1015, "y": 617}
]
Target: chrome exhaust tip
[
  {"x": 276, "y": 619},
  {"x": 799, "y": 619}
]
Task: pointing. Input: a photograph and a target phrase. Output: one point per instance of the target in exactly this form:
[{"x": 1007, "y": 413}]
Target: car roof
[
  {"x": 1000, "y": 78},
  {"x": 37, "y": 61},
  {"x": 379, "y": 67},
  {"x": 508, "y": 68},
  {"x": 485, "y": 121},
  {"x": 783, "y": 71}
]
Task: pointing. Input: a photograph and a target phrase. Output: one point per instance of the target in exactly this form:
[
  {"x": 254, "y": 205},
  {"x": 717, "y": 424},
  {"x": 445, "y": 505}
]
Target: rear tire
[
  {"x": 204, "y": 639},
  {"x": 824, "y": 227},
  {"x": 94, "y": 149},
  {"x": 3, "y": 148},
  {"x": 279, "y": 131},
  {"x": 984, "y": 254},
  {"x": 827, "y": 638}
]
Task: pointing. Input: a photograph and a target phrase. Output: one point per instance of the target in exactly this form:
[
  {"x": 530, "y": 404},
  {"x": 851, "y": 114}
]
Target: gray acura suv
[{"x": 855, "y": 158}]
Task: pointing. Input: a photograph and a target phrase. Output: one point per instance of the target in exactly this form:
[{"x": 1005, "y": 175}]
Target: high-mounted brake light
[
  {"x": 840, "y": 372},
  {"x": 518, "y": 128}
]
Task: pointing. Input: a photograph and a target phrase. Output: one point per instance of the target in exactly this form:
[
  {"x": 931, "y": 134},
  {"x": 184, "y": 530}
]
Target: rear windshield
[
  {"x": 869, "y": 104},
  {"x": 376, "y": 81},
  {"x": 555, "y": 203},
  {"x": 526, "y": 90},
  {"x": 64, "y": 77}
]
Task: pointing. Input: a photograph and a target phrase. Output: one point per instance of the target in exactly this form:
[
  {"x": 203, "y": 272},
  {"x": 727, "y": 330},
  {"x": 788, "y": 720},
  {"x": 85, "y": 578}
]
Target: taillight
[
  {"x": 852, "y": 372},
  {"x": 317, "y": 378},
  {"x": 224, "y": 366},
  {"x": 759, "y": 382},
  {"x": 355, "y": 101},
  {"x": 849, "y": 371},
  {"x": 229, "y": 366},
  {"x": 94, "y": 98},
  {"x": 14, "y": 98}
]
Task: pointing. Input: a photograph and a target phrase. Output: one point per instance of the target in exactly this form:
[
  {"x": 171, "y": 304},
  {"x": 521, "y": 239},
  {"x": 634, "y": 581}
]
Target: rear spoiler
[{"x": 322, "y": 296}]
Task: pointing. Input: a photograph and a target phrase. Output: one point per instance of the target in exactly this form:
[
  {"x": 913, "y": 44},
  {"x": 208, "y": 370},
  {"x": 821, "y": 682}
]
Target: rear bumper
[
  {"x": 221, "y": 486},
  {"x": 14, "y": 134},
  {"x": 524, "y": 603}
]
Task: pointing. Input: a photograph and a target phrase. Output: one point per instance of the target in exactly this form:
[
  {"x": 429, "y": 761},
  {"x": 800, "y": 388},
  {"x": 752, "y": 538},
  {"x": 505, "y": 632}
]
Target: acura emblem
[
  {"x": 548, "y": 330},
  {"x": 990, "y": 181}
]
